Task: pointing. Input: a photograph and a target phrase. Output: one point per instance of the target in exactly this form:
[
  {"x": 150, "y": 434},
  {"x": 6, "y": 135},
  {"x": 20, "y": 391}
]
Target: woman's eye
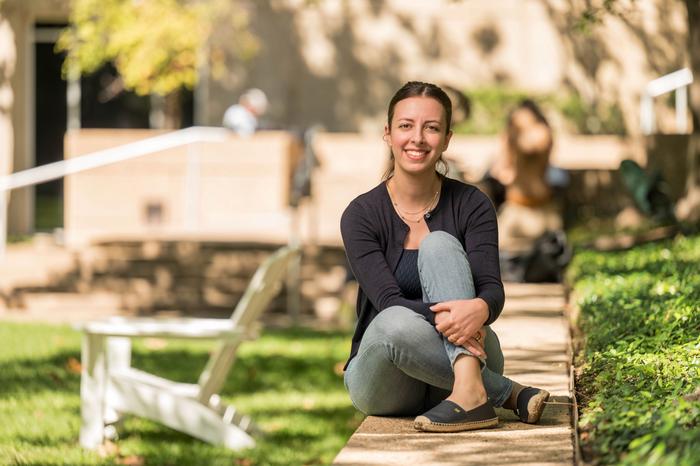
[
  {"x": 404, "y": 125},
  {"x": 434, "y": 128}
]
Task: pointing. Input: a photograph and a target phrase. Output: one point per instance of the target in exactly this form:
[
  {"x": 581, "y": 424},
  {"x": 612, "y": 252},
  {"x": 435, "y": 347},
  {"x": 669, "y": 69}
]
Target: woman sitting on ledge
[{"x": 424, "y": 249}]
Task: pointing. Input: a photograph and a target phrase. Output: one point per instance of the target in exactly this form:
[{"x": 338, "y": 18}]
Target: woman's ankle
[
  {"x": 512, "y": 400},
  {"x": 468, "y": 390},
  {"x": 469, "y": 399}
]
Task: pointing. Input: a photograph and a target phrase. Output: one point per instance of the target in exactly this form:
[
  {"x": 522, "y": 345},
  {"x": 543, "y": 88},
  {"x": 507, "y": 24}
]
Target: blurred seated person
[
  {"x": 461, "y": 112},
  {"x": 243, "y": 117},
  {"x": 529, "y": 211}
]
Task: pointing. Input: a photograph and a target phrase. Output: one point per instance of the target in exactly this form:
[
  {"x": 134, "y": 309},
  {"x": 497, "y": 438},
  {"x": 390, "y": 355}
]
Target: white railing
[
  {"x": 677, "y": 81},
  {"x": 56, "y": 170}
]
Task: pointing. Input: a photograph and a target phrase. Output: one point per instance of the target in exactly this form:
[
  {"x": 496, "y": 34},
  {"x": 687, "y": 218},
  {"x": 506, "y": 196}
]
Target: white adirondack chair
[{"x": 110, "y": 387}]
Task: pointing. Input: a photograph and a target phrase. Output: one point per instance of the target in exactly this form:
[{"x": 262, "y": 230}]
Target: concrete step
[
  {"x": 34, "y": 264},
  {"x": 63, "y": 307},
  {"x": 190, "y": 277}
]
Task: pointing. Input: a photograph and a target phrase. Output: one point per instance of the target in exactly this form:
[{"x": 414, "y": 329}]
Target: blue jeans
[{"x": 404, "y": 366}]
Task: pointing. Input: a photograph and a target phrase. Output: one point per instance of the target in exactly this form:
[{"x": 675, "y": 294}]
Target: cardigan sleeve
[
  {"x": 481, "y": 245},
  {"x": 369, "y": 265}
]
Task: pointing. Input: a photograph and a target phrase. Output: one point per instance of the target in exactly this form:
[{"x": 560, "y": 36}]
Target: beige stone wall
[
  {"x": 239, "y": 190},
  {"x": 351, "y": 164},
  {"x": 338, "y": 62},
  {"x": 242, "y": 185}
]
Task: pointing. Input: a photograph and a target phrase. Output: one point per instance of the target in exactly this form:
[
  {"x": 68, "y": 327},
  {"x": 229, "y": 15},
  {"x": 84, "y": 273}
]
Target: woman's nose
[{"x": 417, "y": 135}]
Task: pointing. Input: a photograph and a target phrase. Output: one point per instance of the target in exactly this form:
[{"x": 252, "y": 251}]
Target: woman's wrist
[{"x": 483, "y": 309}]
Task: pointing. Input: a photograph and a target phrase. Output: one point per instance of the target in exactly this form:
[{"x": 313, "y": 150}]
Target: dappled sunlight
[{"x": 298, "y": 399}]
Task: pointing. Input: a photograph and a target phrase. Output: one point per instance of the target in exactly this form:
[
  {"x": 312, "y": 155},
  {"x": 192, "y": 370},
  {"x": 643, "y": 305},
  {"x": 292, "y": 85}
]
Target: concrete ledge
[
  {"x": 535, "y": 339},
  {"x": 389, "y": 441}
]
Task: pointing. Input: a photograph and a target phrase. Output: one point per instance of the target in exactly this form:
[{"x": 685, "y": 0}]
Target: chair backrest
[{"x": 263, "y": 287}]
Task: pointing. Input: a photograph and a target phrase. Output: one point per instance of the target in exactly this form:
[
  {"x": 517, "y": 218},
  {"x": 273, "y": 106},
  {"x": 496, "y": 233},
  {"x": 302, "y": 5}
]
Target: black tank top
[{"x": 407, "y": 275}]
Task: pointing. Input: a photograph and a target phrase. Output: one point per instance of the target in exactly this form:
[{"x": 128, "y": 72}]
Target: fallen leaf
[
  {"x": 73, "y": 366},
  {"x": 274, "y": 426},
  {"x": 155, "y": 343},
  {"x": 107, "y": 449},
  {"x": 308, "y": 403},
  {"x": 132, "y": 460}
]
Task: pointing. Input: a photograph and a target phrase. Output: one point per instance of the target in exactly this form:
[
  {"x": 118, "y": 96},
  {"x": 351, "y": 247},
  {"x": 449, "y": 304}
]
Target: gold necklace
[{"x": 403, "y": 212}]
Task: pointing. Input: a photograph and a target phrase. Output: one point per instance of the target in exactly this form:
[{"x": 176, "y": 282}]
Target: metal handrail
[
  {"x": 677, "y": 81},
  {"x": 56, "y": 170}
]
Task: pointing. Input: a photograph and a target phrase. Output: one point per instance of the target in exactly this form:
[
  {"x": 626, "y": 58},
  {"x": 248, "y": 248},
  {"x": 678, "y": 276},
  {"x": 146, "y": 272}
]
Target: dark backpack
[{"x": 546, "y": 261}]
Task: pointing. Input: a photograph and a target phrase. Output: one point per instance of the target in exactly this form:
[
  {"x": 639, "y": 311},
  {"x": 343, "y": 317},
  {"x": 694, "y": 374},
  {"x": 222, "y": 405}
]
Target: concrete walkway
[{"x": 535, "y": 339}]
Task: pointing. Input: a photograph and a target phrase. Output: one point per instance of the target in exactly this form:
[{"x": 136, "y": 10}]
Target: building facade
[{"x": 337, "y": 62}]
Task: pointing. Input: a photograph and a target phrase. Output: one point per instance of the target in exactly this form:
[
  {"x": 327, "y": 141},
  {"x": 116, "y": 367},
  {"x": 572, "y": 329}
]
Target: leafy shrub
[
  {"x": 598, "y": 118},
  {"x": 639, "y": 361},
  {"x": 490, "y": 107}
]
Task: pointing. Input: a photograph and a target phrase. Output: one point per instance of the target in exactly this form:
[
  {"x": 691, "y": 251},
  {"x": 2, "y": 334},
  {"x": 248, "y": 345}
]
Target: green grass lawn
[
  {"x": 289, "y": 380},
  {"x": 639, "y": 358}
]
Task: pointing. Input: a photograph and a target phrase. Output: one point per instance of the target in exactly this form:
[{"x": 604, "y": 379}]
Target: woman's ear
[
  {"x": 448, "y": 136},
  {"x": 386, "y": 135}
]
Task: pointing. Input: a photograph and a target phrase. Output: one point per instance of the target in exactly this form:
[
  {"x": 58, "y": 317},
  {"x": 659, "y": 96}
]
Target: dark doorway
[
  {"x": 50, "y": 109},
  {"x": 105, "y": 104}
]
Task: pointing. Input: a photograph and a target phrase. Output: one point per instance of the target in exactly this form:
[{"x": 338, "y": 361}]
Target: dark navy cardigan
[{"x": 374, "y": 236}]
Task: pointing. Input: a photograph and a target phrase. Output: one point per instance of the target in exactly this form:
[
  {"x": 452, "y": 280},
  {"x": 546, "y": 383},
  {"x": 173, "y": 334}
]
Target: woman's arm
[
  {"x": 369, "y": 265},
  {"x": 481, "y": 245},
  {"x": 466, "y": 316}
]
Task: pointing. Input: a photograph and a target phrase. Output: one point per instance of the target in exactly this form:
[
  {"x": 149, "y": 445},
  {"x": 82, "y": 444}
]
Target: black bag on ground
[{"x": 544, "y": 264}]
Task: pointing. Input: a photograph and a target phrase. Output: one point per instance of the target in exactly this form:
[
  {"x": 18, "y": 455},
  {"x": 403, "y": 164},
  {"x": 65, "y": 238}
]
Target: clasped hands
[{"x": 462, "y": 321}]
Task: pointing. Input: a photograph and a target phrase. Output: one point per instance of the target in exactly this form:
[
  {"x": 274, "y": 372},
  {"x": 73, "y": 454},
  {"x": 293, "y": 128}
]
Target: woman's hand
[
  {"x": 475, "y": 344},
  {"x": 466, "y": 317}
]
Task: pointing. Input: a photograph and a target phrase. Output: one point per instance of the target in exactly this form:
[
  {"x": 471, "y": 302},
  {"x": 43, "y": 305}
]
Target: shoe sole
[
  {"x": 535, "y": 407},
  {"x": 426, "y": 425}
]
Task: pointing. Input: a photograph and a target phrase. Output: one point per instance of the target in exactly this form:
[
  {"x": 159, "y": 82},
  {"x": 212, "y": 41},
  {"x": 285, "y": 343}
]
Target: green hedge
[
  {"x": 639, "y": 356},
  {"x": 490, "y": 107}
]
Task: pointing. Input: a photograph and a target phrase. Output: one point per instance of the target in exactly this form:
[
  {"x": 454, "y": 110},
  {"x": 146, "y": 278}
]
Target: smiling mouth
[{"x": 416, "y": 154}]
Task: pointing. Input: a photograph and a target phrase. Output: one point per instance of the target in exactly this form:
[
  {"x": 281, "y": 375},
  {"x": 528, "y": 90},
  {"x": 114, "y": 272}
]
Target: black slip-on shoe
[
  {"x": 531, "y": 402},
  {"x": 450, "y": 417}
]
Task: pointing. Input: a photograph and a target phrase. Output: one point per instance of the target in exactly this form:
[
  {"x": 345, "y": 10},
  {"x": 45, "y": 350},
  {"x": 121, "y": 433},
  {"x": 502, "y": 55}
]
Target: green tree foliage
[{"x": 155, "y": 45}]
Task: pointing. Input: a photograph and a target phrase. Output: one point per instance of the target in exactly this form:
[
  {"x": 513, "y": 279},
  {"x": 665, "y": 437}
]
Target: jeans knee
[
  {"x": 444, "y": 268},
  {"x": 370, "y": 406},
  {"x": 438, "y": 245},
  {"x": 395, "y": 326}
]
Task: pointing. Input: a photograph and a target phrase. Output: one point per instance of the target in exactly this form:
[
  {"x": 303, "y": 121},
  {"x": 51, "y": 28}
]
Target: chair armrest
[{"x": 191, "y": 328}]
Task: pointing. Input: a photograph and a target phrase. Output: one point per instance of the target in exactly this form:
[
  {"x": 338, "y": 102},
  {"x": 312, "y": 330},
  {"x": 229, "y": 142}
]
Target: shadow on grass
[
  {"x": 33, "y": 375},
  {"x": 252, "y": 372},
  {"x": 302, "y": 423}
]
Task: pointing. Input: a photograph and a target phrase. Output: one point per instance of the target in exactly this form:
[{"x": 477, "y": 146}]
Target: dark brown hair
[
  {"x": 419, "y": 89},
  {"x": 530, "y": 105}
]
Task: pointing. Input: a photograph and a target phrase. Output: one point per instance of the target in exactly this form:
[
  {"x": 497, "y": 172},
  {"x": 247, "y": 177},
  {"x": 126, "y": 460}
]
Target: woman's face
[{"x": 417, "y": 135}]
